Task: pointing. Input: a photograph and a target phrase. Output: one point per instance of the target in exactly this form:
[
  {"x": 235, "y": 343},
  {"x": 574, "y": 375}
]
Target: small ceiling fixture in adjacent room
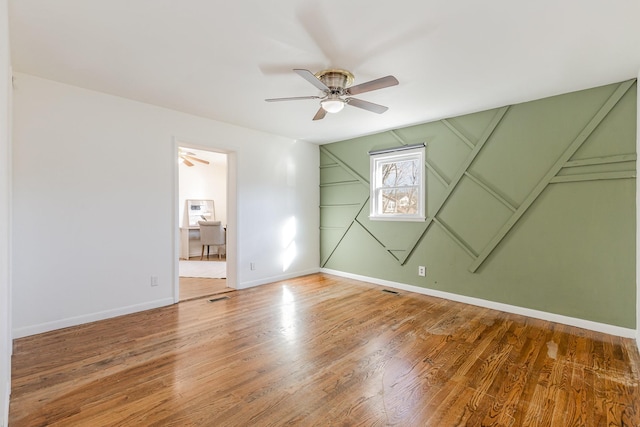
[
  {"x": 188, "y": 158},
  {"x": 335, "y": 84}
]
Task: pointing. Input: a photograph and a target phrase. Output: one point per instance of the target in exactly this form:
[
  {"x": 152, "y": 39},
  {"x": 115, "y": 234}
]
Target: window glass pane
[
  {"x": 396, "y": 174},
  {"x": 399, "y": 200}
]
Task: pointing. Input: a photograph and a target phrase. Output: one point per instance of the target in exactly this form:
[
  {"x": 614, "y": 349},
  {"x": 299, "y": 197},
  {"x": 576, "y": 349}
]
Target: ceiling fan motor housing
[{"x": 337, "y": 80}]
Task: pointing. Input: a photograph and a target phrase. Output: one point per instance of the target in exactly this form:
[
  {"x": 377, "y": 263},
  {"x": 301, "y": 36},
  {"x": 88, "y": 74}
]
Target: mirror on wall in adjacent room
[{"x": 199, "y": 210}]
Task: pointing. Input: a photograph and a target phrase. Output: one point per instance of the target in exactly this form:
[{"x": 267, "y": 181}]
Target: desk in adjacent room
[{"x": 190, "y": 245}]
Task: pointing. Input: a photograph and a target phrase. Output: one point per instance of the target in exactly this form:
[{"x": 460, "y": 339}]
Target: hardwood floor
[
  {"x": 198, "y": 287},
  {"x": 327, "y": 351}
]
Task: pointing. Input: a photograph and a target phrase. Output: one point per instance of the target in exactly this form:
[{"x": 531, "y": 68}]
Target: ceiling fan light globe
[{"x": 332, "y": 105}]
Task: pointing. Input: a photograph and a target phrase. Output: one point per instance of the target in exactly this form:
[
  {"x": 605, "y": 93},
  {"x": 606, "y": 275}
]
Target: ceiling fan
[
  {"x": 336, "y": 84},
  {"x": 187, "y": 157}
]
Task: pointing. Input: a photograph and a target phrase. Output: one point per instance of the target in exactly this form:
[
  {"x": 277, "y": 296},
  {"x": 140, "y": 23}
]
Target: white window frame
[{"x": 377, "y": 160}]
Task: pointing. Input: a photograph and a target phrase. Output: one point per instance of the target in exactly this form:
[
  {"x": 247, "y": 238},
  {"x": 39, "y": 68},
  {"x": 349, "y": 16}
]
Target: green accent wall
[{"x": 531, "y": 205}]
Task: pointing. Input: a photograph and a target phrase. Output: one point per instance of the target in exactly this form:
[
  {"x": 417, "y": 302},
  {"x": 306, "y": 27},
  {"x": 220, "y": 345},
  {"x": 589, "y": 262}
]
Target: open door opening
[{"x": 203, "y": 222}]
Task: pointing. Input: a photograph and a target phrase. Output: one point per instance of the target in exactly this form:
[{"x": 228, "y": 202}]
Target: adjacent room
[
  {"x": 319, "y": 213},
  {"x": 202, "y": 219}
]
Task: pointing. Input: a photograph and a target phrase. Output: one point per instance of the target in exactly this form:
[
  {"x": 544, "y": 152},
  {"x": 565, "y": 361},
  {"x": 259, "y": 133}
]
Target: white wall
[
  {"x": 5, "y": 181},
  {"x": 94, "y": 193}
]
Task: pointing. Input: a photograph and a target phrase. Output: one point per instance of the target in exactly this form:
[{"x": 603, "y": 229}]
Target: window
[{"x": 397, "y": 184}]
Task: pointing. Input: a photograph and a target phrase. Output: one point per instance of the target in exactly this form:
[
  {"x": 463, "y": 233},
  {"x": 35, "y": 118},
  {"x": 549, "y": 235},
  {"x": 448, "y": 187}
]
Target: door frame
[{"x": 232, "y": 220}]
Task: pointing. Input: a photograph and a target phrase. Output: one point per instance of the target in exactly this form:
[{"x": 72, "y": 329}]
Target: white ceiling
[{"x": 221, "y": 59}]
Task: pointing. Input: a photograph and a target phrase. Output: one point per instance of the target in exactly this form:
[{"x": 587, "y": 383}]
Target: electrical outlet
[
  {"x": 252, "y": 266},
  {"x": 154, "y": 280},
  {"x": 422, "y": 270}
]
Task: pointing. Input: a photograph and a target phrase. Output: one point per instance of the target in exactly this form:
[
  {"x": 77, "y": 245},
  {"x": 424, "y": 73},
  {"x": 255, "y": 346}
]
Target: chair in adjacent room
[{"x": 212, "y": 234}]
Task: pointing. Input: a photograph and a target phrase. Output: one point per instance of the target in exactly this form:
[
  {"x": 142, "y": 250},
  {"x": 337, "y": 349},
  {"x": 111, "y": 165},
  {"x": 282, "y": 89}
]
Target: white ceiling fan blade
[
  {"x": 311, "y": 78},
  {"x": 366, "y": 105},
  {"x": 294, "y": 98},
  {"x": 320, "y": 114},
  {"x": 196, "y": 159},
  {"x": 376, "y": 84}
]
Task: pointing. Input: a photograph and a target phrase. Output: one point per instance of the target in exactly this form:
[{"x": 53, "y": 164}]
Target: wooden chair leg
[{"x": 202, "y": 253}]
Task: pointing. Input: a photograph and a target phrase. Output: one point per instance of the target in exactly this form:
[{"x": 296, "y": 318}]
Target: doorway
[{"x": 202, "y": 196}]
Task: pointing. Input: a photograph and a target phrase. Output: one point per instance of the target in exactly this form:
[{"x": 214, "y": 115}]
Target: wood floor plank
[
  {"x": 198, "y": 287},
  {"x": 324, "y": 350}
]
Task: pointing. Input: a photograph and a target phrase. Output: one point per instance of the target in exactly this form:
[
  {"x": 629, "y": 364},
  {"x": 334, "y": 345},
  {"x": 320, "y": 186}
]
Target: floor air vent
[
  {"x": 390, "y": 291},
  {"x": 218, "y": 299}
]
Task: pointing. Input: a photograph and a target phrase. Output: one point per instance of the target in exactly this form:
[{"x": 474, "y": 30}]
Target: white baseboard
[
  {"x": 5, "y": 410},
  {"x": 264, "y": 281},
  {"x": 543, "y": 315},
  {"x": 87, "y": 318}
]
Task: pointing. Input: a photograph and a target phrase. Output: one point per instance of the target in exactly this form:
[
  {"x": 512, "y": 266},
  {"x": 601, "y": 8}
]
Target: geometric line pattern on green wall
[
  {"x": 346, "y": 167},
  {"x": 462, "y": 170},
  {"x": 344, "y": 233},
  {"x": 551, "y": 175},
  {"x": 595, "y": 176},
  {"x": 403, "y": 255},
  {"x": 358, "y": 179},
  {"x": 457, "y": 133},
  {"x": 598, "y": 176},
  {"x": 486, "y": 187},
  {"x": 621, "y": 158},
  {"x": 431, "y": 168},
  {"x": 562, "y": 163},
  {"x": 457, "y": 239}
]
